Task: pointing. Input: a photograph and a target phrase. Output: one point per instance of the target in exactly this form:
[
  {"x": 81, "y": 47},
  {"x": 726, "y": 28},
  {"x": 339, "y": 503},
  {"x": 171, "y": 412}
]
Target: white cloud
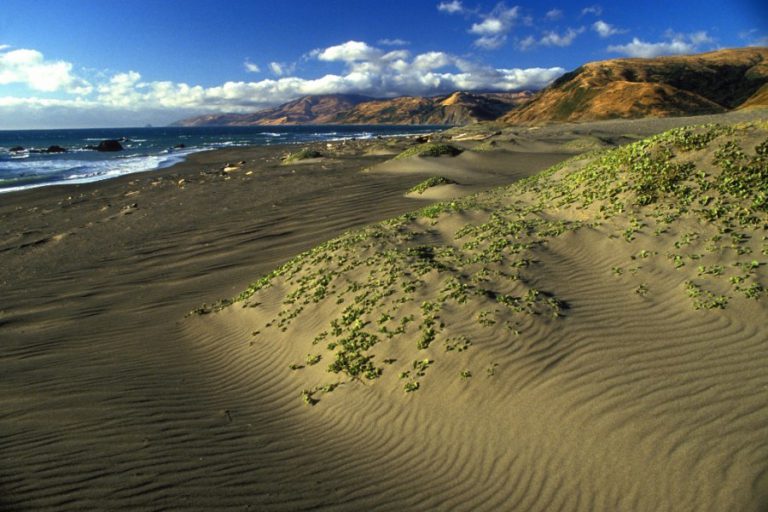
[
  {"x": 527, "y": 43},
  {"x": 554, "y": 14},
  {"x": 593, "y": 9},
  {"x": 605, "y": 29},
  {"x": 489, "y": 26},
  {"x": 384, "y": 74},
  {"x": 639, "y": 48},
  {"x": 282, "y": 68},
  {"x": 699, "y": 38},
  {"x": 30, "y": 68},
  {"x": 490, "y": 42},
  {"x": 495, "y": 26},
  {"x": 677, "y": 44},
  {"x": 394, "y": 42},
  {"x": 351, "y": 51},
  {"x": 753, "y": 37},
  {"x": 128, "y": 98},
  {"x": 451, "y": 7},
  {"x": 32, "y": 102},
  {"x": 277, "y": 68},
  {"x": 251, "y": 67},
  {"x": 554, "y": 39},
  {"x": 431, "y": 60}
]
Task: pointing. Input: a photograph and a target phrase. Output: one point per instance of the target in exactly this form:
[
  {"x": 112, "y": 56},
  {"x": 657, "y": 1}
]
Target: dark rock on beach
[
  {"x": 50, "y": 149},
  {"x": 109, "y": 145}
]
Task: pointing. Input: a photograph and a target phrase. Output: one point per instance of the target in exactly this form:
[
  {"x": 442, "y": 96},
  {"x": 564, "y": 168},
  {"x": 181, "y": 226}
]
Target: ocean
[{"x": 147, "y": 148}]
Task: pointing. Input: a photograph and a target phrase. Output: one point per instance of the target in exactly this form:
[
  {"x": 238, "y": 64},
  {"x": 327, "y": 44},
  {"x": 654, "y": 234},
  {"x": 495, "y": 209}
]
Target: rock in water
[
  {"x": 55, "y": 149},
  {"x": 109, "y": 145}
]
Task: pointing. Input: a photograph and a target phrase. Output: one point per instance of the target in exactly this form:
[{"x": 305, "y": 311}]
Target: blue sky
[{"x": 93, "y": 63}]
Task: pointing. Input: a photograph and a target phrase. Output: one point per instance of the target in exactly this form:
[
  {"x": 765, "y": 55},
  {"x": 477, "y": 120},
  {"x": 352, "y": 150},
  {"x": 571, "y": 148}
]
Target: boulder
[
  {"x": 109, "y": 145},
  {"x": 55, "y": 149},
  {"x": 179, "y": 146},
  {"x": 16, "y": 149}
]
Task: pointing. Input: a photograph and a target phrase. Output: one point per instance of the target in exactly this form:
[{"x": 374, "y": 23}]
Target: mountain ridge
[
  {"x": 629, "y": 88},
  {"x": 706, "y": 83},
  {"x": 453, "y": 109}
]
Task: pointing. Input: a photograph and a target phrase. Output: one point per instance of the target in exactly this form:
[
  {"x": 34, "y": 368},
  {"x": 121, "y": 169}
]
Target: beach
[{"x": 115, "y": 396}]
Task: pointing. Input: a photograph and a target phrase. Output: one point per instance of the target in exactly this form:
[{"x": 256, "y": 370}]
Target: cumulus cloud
[
  {"x": 554, "y": 14},
  {"x": 595, "y": 10},
  {"x": 562, "y": 40},
  {"x": 29, "y": 67},
  {"x": 450, "y": 7},
  {"x": 282, "y": 68},
  {"x": 698, "y": 38},
  {"x": 677, "y": 44},
  {"x": 526, "y": 43},
  {"x": 605, "y": 29},
  {"x": 551, "y": 38},
  {"x": 491, "y": 42},
  {"x": 495, "y": 26},
  {"x": 251, "y": 67},
  {"x": 277, "y": 68},
  {"x": 489, "y": 26},
  {"x": 394, "y": 42},
  {"x": 639, "y": 48},
  {"x": 367, "y": 70},
  {"x": 351, "y": 51}
]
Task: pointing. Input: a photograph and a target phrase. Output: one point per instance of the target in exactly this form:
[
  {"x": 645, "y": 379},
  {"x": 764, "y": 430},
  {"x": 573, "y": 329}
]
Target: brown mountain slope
[
  {"x": 317, "y": 109},
  {"x": 455, "y": 109},
  {"x": 666, "y": 86},
  {"x": 759, "y": 99}
]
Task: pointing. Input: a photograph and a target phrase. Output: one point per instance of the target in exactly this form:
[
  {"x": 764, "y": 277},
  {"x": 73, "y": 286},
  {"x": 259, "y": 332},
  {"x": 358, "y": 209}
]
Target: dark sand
[
  {"x": 106, "y": 404},
  {"x": 111, "y": 399}
]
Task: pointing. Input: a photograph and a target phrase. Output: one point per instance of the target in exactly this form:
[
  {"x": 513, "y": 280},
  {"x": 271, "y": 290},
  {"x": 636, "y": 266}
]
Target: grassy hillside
[{"x": 708, "y": 83}]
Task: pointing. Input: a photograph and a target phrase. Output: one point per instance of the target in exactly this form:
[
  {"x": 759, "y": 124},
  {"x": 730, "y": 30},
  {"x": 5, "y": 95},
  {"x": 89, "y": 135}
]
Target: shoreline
[{"x": 151, "y": 149}]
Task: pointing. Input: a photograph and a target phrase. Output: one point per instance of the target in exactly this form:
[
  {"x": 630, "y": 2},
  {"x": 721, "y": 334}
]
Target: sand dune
[{"x": 627, "y": 399}]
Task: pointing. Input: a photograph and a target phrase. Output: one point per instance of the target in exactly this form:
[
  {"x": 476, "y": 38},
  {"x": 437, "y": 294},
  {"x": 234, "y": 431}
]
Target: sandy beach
[{"x": 616, "y": 394}]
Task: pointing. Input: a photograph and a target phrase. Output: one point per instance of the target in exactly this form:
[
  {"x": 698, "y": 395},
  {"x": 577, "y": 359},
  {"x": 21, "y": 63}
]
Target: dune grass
[
  {"x": 430, "y": 149},
  {"x": 383, "y": 283},
  {"x": 434, "y": 181},
  {"x": 302, "y": 154}
]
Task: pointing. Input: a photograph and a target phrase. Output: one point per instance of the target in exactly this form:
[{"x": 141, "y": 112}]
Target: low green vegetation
[
  {"x": 486, "y": 145},
  {"x": 431, "y": 149},
  {"x": 385, "y": 285},
  {"x": 302, "y": 154},
  {"x": 434, "y": 181}
]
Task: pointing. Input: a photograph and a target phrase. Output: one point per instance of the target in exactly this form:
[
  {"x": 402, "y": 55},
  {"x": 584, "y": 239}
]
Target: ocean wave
[
  {"x": 227, "y": 144},
  {"x": 145, "y": 149},
  {"x": 32, "y": 174}
]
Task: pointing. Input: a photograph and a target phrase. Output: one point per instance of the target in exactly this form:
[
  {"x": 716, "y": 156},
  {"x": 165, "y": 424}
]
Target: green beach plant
[
  {"x": 302, "y": 154},
  {"x": 429, "y": 149},
  {"x": 434, "y": 181},
  {"x": 395, "y": 288}
]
